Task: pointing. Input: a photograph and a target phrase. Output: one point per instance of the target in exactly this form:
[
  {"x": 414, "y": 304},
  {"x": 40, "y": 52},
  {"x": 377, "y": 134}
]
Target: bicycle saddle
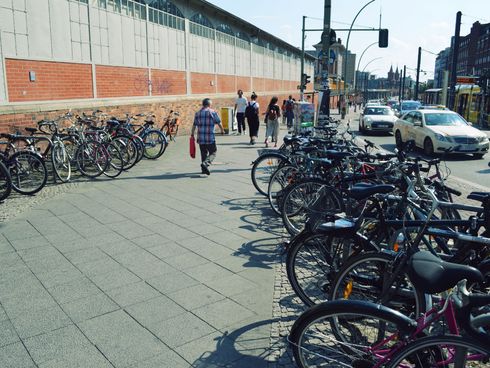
[
  {"x": 431, "y": 275},
  {"x": 337, "y": 155},
  {"x": 479, "y": 196},
  {"x": 341, "y": 227},
  {"x": 360, "y": 192},
  {"x": 31, "y": 130},
  {"x": 291, "y": 140},
  {"x": 149, "y": 122}
]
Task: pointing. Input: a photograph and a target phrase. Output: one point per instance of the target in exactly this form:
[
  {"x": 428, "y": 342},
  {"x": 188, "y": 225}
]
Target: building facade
[
  {"x": 133, "y": 55},
  {"x": 443, "y": 62}
]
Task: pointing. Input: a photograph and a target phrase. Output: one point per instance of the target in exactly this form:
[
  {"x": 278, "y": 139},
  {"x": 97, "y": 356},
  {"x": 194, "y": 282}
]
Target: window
[
  {"x": 243, "y": 36},
  {"x": 202, "y": 20},
  {"x": 165, "y": 13},
  {"x": 225, "y": 28}
]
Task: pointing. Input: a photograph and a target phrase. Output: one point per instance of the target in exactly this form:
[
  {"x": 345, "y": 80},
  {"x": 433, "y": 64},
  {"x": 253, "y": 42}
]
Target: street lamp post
[
  {"x": 360, "y": 58},
  {"x": 344, "y": 71}
]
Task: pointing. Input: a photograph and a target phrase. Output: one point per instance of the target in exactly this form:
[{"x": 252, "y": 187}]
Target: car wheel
[
  {"x": 428, "y": 147},
  {"x": 478, "y": 156},
  {"x": 398, "y": 140}
]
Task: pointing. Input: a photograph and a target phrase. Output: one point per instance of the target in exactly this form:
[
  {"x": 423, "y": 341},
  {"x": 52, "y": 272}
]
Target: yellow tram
[{"x": 468, "y": 101}]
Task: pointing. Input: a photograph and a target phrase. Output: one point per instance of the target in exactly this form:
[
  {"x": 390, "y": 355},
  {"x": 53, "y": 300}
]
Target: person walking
[
  {"x": 240, "y": 106},
  {"x": 204, "y": 121},
  {"x": 272, "y": 116},
  {"x": 252, "y": 114},
  {"x": 289, "y": 112}
]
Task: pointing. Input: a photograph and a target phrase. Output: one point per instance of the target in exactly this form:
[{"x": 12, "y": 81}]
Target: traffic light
[
  {"x": 306, "y": 79},
  {"x": 383, "y": 38}
]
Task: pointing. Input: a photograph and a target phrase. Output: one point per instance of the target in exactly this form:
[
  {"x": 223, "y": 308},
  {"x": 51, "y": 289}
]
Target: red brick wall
[
  {"x": 201, "y": 83},
  {"x": 258, "y": 84},
  {"x": 226, "y": 83},
  {"x": 187, "y": 109},
  {"x": 243, "y": 83},
  {"x": 168, "y": 82},
  {"x": 54, "y": 81},
  {"x": 115, "y": 81}
]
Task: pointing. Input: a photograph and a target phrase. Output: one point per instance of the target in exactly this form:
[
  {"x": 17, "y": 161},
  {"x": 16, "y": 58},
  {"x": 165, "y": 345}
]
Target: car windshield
[
  {"x": 433, "y": 119},
  {"x": 410, "y": 105},
  {"x": 378, "y": 111}
]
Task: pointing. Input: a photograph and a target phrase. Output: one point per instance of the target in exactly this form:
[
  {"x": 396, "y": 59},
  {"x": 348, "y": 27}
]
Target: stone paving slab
[{"x": 162, "y": 267}]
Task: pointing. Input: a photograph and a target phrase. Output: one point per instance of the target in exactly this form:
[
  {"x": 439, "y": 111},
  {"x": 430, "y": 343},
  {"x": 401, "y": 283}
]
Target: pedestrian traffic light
[{"x": 383, "y": 38}]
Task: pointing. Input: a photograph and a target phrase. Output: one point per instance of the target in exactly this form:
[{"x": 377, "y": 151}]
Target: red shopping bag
[{"x": 192, "y": 147}]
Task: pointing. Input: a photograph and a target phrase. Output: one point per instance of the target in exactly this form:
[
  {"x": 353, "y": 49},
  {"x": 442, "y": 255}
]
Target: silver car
[{"x": 377, "y": 119}]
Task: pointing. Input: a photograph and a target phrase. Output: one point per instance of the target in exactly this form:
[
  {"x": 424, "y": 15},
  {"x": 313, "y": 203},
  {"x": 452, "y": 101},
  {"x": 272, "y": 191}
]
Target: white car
[
  {"x": 377, "y": 119},
  {"x": 440, "y": 130}
]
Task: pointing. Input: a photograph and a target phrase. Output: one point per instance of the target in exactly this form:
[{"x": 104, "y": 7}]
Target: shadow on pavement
[
  {"x": 261, "y": 253},
  {"x": 244, "y": 347},
  {"x": 195, "y": 175}
]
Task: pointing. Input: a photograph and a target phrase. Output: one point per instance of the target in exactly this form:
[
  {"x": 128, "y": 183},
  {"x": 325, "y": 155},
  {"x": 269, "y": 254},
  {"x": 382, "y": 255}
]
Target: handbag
[{"x": 192, "y": 147}]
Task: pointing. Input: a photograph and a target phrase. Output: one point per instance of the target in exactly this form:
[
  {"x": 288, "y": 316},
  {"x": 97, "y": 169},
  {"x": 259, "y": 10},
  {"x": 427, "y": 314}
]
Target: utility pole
[
  {"x": 400, "y": 89},
  {"x": 454, "y": 65},
  {"x": 403, "y": 82},
  {"x": 445, "y": 79},
  {"x": 325, "y": 102},
  {"x": 302, "y": 82},
  {"x": 418, "y": 75}
]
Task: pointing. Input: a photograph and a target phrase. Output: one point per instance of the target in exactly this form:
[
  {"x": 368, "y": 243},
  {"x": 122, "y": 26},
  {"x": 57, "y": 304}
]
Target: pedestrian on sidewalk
[
  {"x": 289, "y": 111},
  {"x": 204, "y": 121},
  {"x": 252, "y": 114},
  {"x": 240, "y": 106},
  {"x": 272, "y": 116}
]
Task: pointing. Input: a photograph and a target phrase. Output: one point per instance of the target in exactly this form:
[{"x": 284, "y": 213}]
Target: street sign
[{"x": 465, "y": 79}]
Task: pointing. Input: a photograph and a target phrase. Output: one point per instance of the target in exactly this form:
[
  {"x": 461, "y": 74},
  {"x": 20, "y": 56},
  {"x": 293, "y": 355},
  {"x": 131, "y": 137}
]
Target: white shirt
[{"x": 241, "y": 104}]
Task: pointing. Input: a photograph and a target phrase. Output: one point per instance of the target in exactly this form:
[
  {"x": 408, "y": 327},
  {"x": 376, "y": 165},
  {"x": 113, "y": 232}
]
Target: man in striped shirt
[{"x": 205, "y": 120}]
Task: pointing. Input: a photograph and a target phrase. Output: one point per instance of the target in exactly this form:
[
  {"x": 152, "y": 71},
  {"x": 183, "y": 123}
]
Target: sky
[{"x": 426, "y": 23}]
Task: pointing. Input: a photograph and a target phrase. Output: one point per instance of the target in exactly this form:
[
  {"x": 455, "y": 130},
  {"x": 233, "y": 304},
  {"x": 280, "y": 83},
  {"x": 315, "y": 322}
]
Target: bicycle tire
[
  {"x": 5, "y": 182},
  {"x": 129, "y": 149},
  {"x": 310, "y": 258},
  {"x": 91, "y": 154},
  {"x": 61, "y": 161},
  {"x": 408, "y": 299},
  {"x": 160, "y": 143},
  {"x": 424, "y": 352},
  {"x": 331, "y": 319},
  {"x": 27, "y": 167},
  {"x": 116, "y": 161},
  {"x": 141, "y": 146},
  {"x": 279, "y": 184},
  {"x": 261, "y": 182},
  {"x": 307, "y": 196}
]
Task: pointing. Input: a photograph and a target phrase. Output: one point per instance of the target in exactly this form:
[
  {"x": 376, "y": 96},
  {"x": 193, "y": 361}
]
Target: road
[{"x": 462, "y": 167}]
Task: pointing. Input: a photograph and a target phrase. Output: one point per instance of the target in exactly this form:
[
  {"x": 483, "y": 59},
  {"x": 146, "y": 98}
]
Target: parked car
[
  {"x": 377, "y": 119},
  {"x": 406, "y": 106},
  {"x": 440, "y": 130}
]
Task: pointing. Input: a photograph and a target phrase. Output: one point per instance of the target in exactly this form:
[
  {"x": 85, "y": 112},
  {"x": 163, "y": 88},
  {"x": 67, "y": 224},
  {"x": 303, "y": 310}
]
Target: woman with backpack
[
  {"x": 252, "y": 115},
  {"x": 272, "y": 116}
]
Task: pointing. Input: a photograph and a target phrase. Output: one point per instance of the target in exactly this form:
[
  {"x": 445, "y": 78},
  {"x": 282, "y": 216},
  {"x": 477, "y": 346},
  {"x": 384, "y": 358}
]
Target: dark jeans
[
  {"x": 253, "y": 127},
  {"x": 240, "y": 118},
  {"x": 208, "y": 153}
]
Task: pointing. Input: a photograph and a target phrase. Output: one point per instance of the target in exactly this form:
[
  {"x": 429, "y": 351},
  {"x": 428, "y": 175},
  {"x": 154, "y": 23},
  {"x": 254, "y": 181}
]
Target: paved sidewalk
[{"x": 163, "y": 267}]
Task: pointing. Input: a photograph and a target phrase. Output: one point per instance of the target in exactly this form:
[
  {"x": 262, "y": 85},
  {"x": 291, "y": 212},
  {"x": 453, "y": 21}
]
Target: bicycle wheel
[
  {"x": 61, "y": 161},
  {"x": 116, "y": 161},
  {"x": 263, "y": 168},
  {"x": 28, "y": 172},
  {"x": 346, "y": 334},
  {"x": 155, "y": 144},
  {"x": 92, "y": 159},
  {"x": 280, "y": 182},
  {"x": 305, "y": 197},
  {"x": 129, "y": 149},
  {"x": 442, "y": 352},
  {"x": 5, "y": 182},
  {"x": 363, "y": 277},
  {"x": 312, "y": 261}
]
